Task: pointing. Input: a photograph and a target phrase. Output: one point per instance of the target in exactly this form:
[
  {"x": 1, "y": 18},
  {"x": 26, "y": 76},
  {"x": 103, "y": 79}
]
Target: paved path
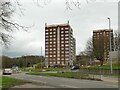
[
  {"x": 30, "y": 85},
  {"x": 65, "y": 82}
]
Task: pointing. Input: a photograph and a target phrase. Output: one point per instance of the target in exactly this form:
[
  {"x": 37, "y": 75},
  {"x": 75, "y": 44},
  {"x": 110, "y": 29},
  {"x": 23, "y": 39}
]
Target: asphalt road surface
[{"x": 60, "y": 82}]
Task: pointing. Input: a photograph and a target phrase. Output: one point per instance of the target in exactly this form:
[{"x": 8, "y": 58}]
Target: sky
[{"x": 91, "y": 16}]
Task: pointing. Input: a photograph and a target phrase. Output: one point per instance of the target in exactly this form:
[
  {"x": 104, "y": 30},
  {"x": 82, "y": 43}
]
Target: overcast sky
[{"x": 89, "y": 17}]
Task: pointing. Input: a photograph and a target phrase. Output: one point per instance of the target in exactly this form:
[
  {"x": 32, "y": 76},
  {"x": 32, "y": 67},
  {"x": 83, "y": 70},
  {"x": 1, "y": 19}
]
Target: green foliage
[{"x": 24, "y": 61}]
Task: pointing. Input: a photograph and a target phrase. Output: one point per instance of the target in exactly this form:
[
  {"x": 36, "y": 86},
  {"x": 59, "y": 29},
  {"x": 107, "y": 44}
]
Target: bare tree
[
  {"x": 89, "y": 49},
  {"x": 98, "y": 48},
  {"x": 7, "y": 25},
  {"x": 116, "y": 40}
]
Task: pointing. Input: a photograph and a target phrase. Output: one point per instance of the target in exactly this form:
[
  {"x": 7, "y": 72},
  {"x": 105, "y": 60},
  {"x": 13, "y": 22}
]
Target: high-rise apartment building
[
  {"x": 102, "y": 39},
  {"x": 59, "y": 45}
]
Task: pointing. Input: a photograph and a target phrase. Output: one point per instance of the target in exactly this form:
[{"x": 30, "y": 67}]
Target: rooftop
[{"x": 101, "y": 30}]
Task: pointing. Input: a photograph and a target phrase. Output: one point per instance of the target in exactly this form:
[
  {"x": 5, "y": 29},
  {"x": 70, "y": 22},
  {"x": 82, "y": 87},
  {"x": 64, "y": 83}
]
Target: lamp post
[
  {"x": 109, "y": 22},
  {"x": 41, "y": 58}
]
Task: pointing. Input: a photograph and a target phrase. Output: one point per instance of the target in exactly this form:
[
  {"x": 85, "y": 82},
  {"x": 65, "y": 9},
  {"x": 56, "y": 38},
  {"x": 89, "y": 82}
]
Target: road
[{"x": 64, "y": 82}]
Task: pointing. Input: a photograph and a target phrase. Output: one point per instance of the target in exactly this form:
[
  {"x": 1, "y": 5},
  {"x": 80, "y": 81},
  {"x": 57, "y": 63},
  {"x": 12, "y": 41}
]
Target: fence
[{"x": 95, "y": 74}]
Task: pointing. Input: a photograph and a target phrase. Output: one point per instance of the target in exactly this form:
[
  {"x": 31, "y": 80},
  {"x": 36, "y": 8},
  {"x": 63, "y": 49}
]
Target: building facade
[
  {"x": 59, "y": 45},
  {"x": 101, "y": 43}
]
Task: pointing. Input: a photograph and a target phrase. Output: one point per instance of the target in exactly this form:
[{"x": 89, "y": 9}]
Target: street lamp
[
  {"x": 41, "y": 58},
  {"x": 109, "y": 22}
]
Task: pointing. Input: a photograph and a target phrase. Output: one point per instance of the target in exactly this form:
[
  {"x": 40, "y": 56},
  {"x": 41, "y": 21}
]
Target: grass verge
[
  {"x": 8, "y": 82},
  {"x": 75, "y": 75},
  {"x": 105, "y": 67}
]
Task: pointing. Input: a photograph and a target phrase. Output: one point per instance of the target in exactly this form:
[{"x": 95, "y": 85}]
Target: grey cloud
[{"x": 83, "y": 21}]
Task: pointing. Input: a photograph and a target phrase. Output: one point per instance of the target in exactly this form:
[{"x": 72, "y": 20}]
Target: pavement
[
  {"x": 30, "y": 85},
  {"x": 110, "y": 79},
  {"x": 60, "y": 82},
  {"x": 113, "y": 79}
]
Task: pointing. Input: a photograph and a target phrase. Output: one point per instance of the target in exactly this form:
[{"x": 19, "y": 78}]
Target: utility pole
[
  {"x": 41, "y": 58},
  {"x": 109, "y": 22}
]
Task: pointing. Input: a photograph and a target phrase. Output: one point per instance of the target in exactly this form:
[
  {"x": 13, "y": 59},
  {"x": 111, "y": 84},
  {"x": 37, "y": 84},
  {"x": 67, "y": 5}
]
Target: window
[
  {"x": 54, "y": 32},
  {"x": 50, "y": 39},
  {"x": 66, "y": 34},
  {"x": 50, "y": 45},
  {"x": 50, "y": 42},
  {"x": 54, "y": 45},
  {"x": 67, "y": 59},
  {"x": 50, "y": 32},
  {"x": 58, "y": 62},
  {"x": 46, "y": 53},
  {"x": 54, "y": 52},
  {"x": 50, "y": 35},
  {"x": 62, "y": 28},
  {"x": 50, "y": 55},
  {"x": 66, "y": 48},
  {"x": 46, "y": 56},
  {"x": 50, "y": 52},
  {"x": 62, "y": 31},
  {"x": 54, "y": 38},
  {"x": 50, "y": 49},
  {"x": 58, "y": 55},
  {"x": 66, "y": 31},
  {"x": 66, "y": 28},
  {"x": 46, "y": 33},
  {"x": 54, "y": 48},
  {"x": 46, "y": 36},
  {"x": 46, "y": 49},
  {"x": 62, "y": 52},
  {"x": 54, "y": 55},
  {"x": 62, "y": 41},
  {"x": 46, "y": 30},
  {"x": 54, "y": 58},
  {"x": 62, "y": 45},
  {"x": 54, "y": 35},
  {"x": 66, "y": 41},
  {"x": 46, "y": 42},
  {"x": 62, "y": 48},
  {"x": 62, "y": 38},
  {"x": 54, "y": 42},
  {"x": 50, "y": 29},
  {"x": 66, "y": 38},
  {"x": 66, "y": 44},
  {"x": 54, "y": 29},
  {"x": 46, "y": 39},
  {"x": 62, "y": 34},
  {"x": 67, "y": 52},
  {"x": 66, "y": 55},
  {"x": 62, "y": 63}
]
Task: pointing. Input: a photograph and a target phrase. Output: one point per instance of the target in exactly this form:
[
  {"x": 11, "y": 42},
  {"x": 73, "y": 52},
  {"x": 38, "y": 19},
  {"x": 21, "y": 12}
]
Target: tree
[
  {"x": 116, "y": 40},
  {"x": 98, "y": 48},
  {"x": 83, "y": 59},
  {"x": 89, "y": 49},
  {"x": 6, "y": 24}
]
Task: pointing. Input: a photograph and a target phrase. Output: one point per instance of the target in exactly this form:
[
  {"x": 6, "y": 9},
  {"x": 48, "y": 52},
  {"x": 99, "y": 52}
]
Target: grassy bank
[{"x": 9, "y": 82}]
